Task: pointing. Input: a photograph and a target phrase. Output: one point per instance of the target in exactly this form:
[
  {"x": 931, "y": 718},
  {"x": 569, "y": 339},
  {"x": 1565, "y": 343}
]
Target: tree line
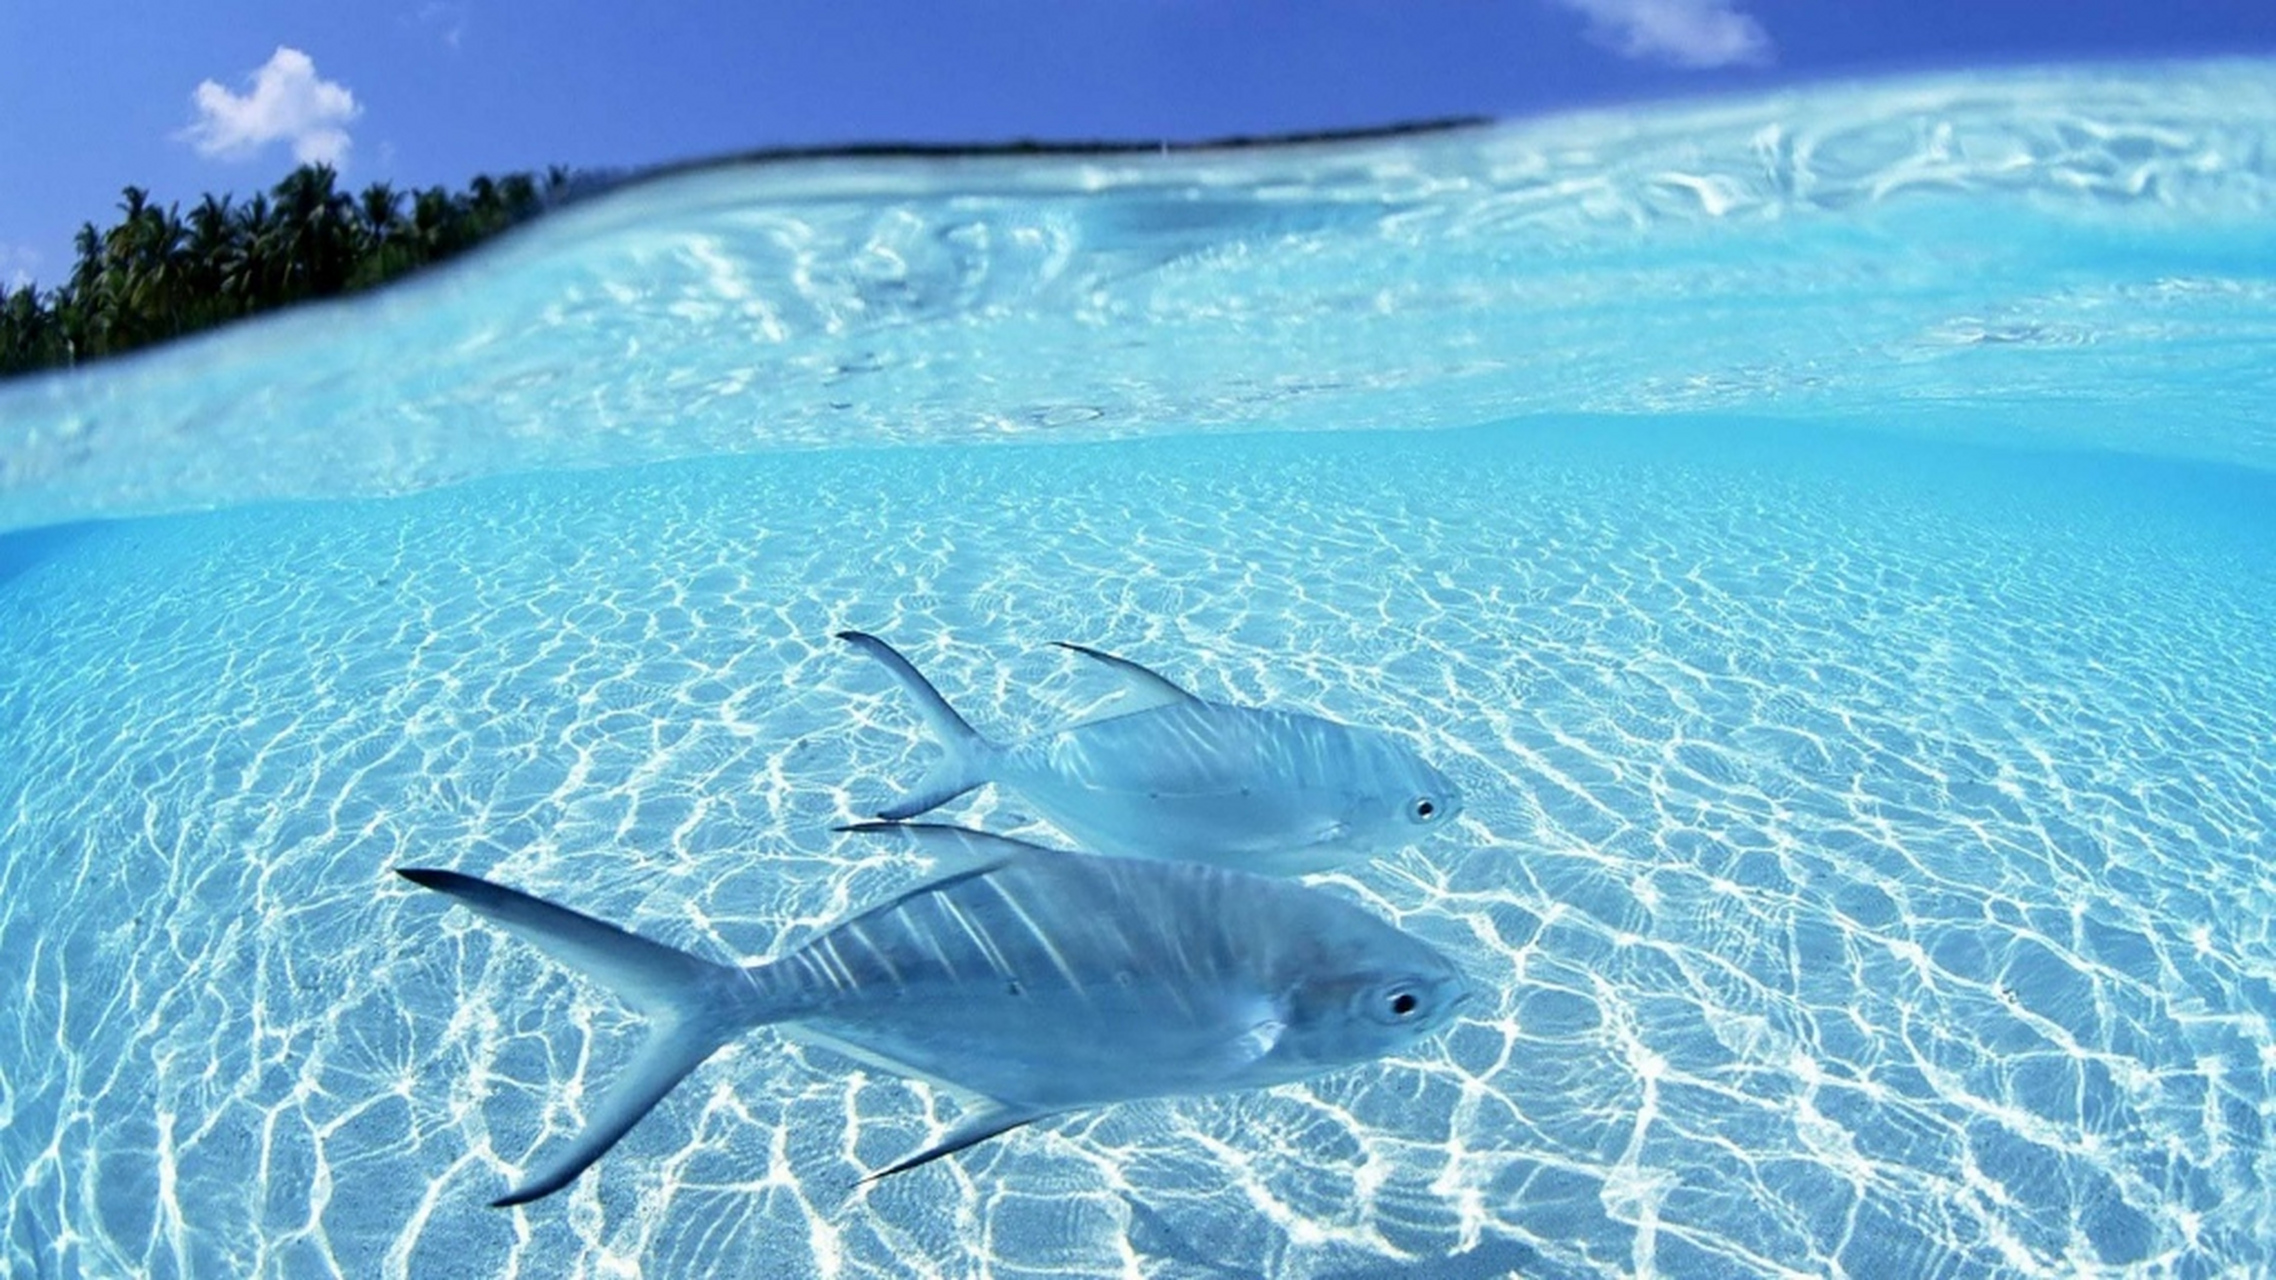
[{"x": 158, "y": 274}]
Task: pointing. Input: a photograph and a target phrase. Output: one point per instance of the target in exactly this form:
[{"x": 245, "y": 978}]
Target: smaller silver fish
[
  {"x": 1042, "y": 982},
  {"x": 1165, "y": 774}
]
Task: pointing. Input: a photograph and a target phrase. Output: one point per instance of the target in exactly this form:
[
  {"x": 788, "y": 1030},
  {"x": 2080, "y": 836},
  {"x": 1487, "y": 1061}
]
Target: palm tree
[
  {"x": 517, "y": 194},
  {"x": 144, "y": 271},
  {"x": 313, "y": 226},
  {"x": 155, "y": 274},
  {"x": 85, "y": 320},
  {"x": 29, "y": 337},
  {"x": 211, "y": 247},
  {"x": 382, "y": 213},
  {"x": 247, "y": 270},
  {"x": 380, "y": 252},
  {"x": 436, "y": 224}
]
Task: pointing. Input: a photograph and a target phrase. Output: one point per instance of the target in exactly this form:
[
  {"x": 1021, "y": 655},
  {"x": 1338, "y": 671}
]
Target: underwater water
[{"x": 1828, "y": 536}]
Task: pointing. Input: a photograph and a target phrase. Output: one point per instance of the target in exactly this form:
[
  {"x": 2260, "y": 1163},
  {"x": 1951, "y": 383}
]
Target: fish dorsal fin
[
  {"x": 960, "y": 851},
  {"x": 976, "y": 1129},
  {"x": 1142, "y": 689}
]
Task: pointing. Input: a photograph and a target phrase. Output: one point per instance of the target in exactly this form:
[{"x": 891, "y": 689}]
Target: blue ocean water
[{"x": 1828, "y": 536}]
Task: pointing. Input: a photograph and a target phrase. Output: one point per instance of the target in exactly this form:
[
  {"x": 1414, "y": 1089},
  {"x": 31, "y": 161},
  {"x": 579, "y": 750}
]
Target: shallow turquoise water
[{"x": 1848, "y": 609}]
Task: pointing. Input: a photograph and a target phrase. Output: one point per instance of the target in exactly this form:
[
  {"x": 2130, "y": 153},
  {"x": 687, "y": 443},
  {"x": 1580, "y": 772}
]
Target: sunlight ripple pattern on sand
[{"x": 1871, "y": 872}]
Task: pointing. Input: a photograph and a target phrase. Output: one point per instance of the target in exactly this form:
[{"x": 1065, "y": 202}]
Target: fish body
[
  {"x": 1172, "y": 775},
  {"x": 1036, "y": 982}
]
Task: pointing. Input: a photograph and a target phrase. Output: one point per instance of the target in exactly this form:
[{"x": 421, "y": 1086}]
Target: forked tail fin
[
  {"x": 967, "y": 758},
  {"x": 693, "y": 1007}
]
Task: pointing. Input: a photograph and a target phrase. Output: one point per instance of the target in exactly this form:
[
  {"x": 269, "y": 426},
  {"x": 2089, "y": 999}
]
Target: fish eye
[
  {"x": 1422, "y": 808},
  {"x": 1403, "y": 1003}
]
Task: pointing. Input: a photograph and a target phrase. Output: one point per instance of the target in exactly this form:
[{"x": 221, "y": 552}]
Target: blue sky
[{"x": 224, "y": 96}]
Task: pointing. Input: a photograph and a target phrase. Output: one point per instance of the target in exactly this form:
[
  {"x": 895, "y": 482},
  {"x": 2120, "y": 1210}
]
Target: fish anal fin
[
  {"x": 957, "y": 855},
  {"x": 1142, "y": 689},
  {"x": 954, "y": 848},
  {"x": 945, "y": 782},
  {"x": 976, "y": 1129}
]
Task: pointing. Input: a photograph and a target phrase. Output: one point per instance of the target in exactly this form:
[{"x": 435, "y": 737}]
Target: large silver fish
[
  {"x": 1168, "y": 775},
  {"x": 1038, "y": 981}
]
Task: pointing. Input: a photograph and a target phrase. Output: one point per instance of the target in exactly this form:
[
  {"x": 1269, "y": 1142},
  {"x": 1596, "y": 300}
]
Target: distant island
[{"x": 157, "y": 274}]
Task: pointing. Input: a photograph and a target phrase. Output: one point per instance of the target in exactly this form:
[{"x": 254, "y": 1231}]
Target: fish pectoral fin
[
  {"x": 1141, "y": 689},
  {"x": 1256, "y": 1043},
  {"x": 1263, "y": 847},
  {"x": 808, "y": 1034},
  {"x": 975, "y": 1130}
]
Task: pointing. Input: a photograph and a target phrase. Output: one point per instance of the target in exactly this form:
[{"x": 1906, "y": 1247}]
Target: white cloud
[
  {"x": 288, "y": 103},
  {"x": 17, "y": 262},
  {"x": 1688, "y": 33},
  {"x": 447, "y": 21}
]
